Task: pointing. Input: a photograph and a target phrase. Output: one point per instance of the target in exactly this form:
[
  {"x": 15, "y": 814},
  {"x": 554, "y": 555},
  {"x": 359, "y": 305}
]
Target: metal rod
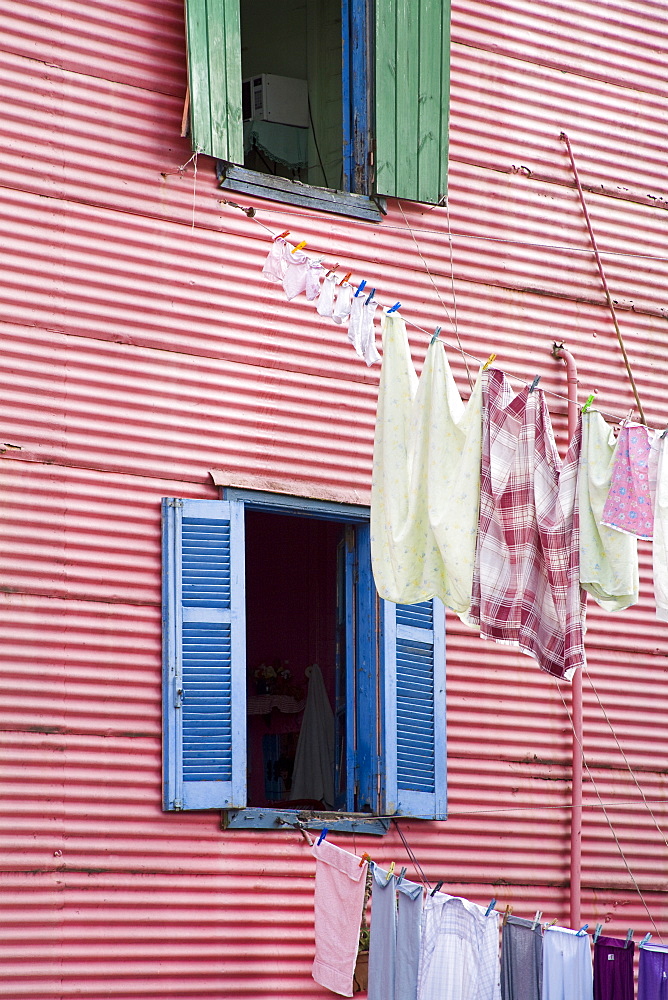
[
  {"x": 559, "y": 351},
  {"x": 603, "y": 278}
]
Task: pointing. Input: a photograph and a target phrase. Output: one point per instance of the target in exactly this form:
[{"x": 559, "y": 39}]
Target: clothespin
[
  {"x": 492, "y": 904},
  {"x": 664, "y": 433},
  {"x": 509, "y": 910},
  {"x": 300, "y": 246},
  {"x": 489, "y": 361},
  {"x": 628, "y": 938},
  {"x": 436, "y": 888},
  {"x": 332, "y": 270},
  {"x": 597, "y": 932},
  {"x": 346, "y": 277},
  {"x": 365, "y": 857},
  {"x": 435, "y": 335},
  {"x": 390, "y": 872},
  {"x": 401, "y": 875},
  {"x": 323, "y": 834},
  {"x": 583, "y": 930},
  {"x": 534, "y": 383},
  {"x": 397, "y": 305},
  {"x": 370, "y": 296},
  {"x": 589, "y": 400},
  {"x": 645, "y": 940},
  {"x": 361, "y": 287},
  {"x": 536, "y": 919},
  {"x": 281, "y": 236}
]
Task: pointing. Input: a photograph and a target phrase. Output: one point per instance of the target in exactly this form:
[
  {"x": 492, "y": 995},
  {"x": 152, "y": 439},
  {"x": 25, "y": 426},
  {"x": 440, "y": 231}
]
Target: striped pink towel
[{"x": 339, "y": 897}]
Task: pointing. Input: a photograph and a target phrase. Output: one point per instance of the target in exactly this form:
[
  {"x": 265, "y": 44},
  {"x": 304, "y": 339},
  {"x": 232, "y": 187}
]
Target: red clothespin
[
  {"x": 281, "y": 236},
  {"x": 365, "y": 857},
  {"x": 331, "y": 270}
]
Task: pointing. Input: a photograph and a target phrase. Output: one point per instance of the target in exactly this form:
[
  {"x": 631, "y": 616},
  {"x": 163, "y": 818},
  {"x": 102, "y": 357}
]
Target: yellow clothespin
[
  {"x": 489, "y": 361},
  {"x": 300, "y": 246},
  {"x": 390, "y": 872}
]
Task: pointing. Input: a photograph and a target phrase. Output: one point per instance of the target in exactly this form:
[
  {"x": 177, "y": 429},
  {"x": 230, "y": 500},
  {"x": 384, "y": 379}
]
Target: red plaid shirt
[{"x": 526, "y": 586}]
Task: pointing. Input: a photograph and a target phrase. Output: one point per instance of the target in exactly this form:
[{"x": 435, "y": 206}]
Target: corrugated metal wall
[{"x": 140, "y": 351}]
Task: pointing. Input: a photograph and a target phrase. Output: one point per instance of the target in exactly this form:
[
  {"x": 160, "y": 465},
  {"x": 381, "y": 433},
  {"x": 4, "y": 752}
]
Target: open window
[
  {"x": 349, "y": 97},
  {"x": 257, "y": 589}
]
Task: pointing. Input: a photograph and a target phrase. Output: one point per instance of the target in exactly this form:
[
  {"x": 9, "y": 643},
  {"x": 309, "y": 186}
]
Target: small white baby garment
[
  {"x": 343, "y": 302},
  {"x": 367, "y": 334},
  {"x": 355, "y": 324},
  {"x": 313, "y": 276},
  {"x": 325, "y": 305},
  {"x": 277, "y": 261}
]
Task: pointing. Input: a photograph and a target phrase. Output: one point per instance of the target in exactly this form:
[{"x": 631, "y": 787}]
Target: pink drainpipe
[{"x": 559, "y": 351}]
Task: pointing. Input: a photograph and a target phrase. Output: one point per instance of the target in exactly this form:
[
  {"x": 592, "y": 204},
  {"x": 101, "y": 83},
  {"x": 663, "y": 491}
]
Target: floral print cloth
[{"x": 629, "y": 504}]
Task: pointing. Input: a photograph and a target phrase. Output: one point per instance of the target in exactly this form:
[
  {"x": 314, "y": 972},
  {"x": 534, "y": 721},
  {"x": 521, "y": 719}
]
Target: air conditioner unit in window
[{"x": 273, "y": 98}]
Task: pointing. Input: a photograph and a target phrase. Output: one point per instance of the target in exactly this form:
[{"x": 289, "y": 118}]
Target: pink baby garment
[
  {"x": 629, "y": 504},
  {"x": 339, "y": 898},
  {"x": 277, "y": 261}
]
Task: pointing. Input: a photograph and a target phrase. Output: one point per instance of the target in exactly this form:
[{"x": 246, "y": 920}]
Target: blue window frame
[{"x": 390, "y": 705}]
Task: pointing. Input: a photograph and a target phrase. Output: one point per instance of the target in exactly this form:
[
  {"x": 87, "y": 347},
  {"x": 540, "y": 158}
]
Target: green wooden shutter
[
  {"x": 213, "y": 33},
  {"x": 204, "y": 658},
  {"x": 412, "y": 98},
  {"x": 414, "y": 709}
]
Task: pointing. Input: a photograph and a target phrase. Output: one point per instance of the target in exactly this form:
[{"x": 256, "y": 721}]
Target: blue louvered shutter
[
  {"x": 204, "y": 660},
  {"x": 414, "y": 747}
]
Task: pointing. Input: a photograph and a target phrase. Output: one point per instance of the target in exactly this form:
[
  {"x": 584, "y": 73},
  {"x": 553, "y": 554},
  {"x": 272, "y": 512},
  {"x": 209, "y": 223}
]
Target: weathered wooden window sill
[{"x": 257, "y": 818}]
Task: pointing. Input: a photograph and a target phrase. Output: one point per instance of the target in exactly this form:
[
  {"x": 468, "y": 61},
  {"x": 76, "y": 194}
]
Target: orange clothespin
[
  {"x": 300, "y": 246},
  {"x": 346, "y": 277},
  {"x": 509, "y": 910},
  {"x": 281, "y": 236},
  {"x": 365, "y": 857},
  {"x": 489, "y": 361}
]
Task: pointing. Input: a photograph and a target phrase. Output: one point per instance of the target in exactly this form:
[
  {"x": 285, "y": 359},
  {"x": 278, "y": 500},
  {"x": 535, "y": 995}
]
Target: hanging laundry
[
  {"x": 658, "y": 474},
  {"x": 367, "y": 334},
  {"x": 521, "y": 959},
  {"x": 460, "y": 951},
  {"x": 409, "y": 921},
  {"x": 313, "y": 772},
  {"x": 355, "y": 323},
  {"x": 325, "y": 305},
  {"x": 302, "y": 274},
  {"x": 383, "y": 936},
  {"x": 613, "y": 969},
  {"x": 426, "y": 477},
  {"x": 653, "y": 972},
  {"x": 277, "y": 261},
  {"x": 629, "y": 506},
  {"x": 526, "y": 583},
  {"x": 343, "y": 303},
  {"x": 608, "y": 558},
  {"x": 339, "y": 896},
  {"x": 567, "y": 965}
]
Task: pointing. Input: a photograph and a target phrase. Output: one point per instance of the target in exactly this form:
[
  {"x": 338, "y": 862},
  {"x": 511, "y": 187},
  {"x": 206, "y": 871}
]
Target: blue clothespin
[
  {"x": 397, "y": 305},
  {"x": 583, "y": 930},
  {"x": 492, "y": 904},
  {"x": 597, "y": 932},
  {"x": 645, "y": 940},
  {"x": 323, "y": 834},
  {"x": 534, "y": 383},
  {"x": 361, "y": 287},
  {"x": 628, "y": 938},
  {"x": 437, "y": 888},
  {"x": 401, "y": 875},
  {"x": 435, "y": 335},
  {"x": 370, "y": 296}
]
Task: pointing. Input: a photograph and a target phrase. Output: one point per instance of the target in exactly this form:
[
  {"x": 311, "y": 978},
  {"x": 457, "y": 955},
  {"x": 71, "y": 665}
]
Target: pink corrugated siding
[{"x": 141, "y": 351}]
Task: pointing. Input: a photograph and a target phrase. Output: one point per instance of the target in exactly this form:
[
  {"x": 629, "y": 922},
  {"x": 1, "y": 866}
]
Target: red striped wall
[{"x": 141, "y": 352}]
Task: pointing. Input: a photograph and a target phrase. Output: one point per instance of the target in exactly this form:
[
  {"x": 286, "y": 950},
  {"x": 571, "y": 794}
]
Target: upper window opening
[{"x": 292, "y": 90}]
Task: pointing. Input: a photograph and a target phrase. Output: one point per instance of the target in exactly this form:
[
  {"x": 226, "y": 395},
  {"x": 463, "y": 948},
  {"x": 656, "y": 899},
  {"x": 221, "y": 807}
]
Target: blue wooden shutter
[
  {"x": 412, "y": 98},
  {"x": 213, "y": 33},
  {"x": 204, "y": 656},
  {"x": 414, "y": 709}
]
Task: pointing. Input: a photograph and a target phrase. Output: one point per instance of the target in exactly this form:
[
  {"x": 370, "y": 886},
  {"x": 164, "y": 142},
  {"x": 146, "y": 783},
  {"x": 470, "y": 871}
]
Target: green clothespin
[{"x": 588, "y": 402}]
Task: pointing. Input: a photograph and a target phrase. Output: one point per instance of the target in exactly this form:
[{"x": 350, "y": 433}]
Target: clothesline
[{"x": 251, "y": 213}]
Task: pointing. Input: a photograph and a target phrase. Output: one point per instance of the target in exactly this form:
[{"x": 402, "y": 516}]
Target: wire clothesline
[{"x": 251, "y": 213}]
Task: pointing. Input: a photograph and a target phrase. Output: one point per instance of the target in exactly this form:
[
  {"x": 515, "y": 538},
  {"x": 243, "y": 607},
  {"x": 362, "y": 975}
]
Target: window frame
[{"x": 379, "y": 767}]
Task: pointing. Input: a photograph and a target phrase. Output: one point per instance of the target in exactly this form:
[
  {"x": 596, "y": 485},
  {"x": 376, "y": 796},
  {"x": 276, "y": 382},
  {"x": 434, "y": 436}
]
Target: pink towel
[
  {"x": 339, "y": 898},
  {"x": 629, "y": 504}
]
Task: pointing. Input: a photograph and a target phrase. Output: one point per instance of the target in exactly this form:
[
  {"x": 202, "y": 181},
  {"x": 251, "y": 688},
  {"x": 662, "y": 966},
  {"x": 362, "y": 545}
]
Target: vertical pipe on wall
[{"x": 559, "y": 351}]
